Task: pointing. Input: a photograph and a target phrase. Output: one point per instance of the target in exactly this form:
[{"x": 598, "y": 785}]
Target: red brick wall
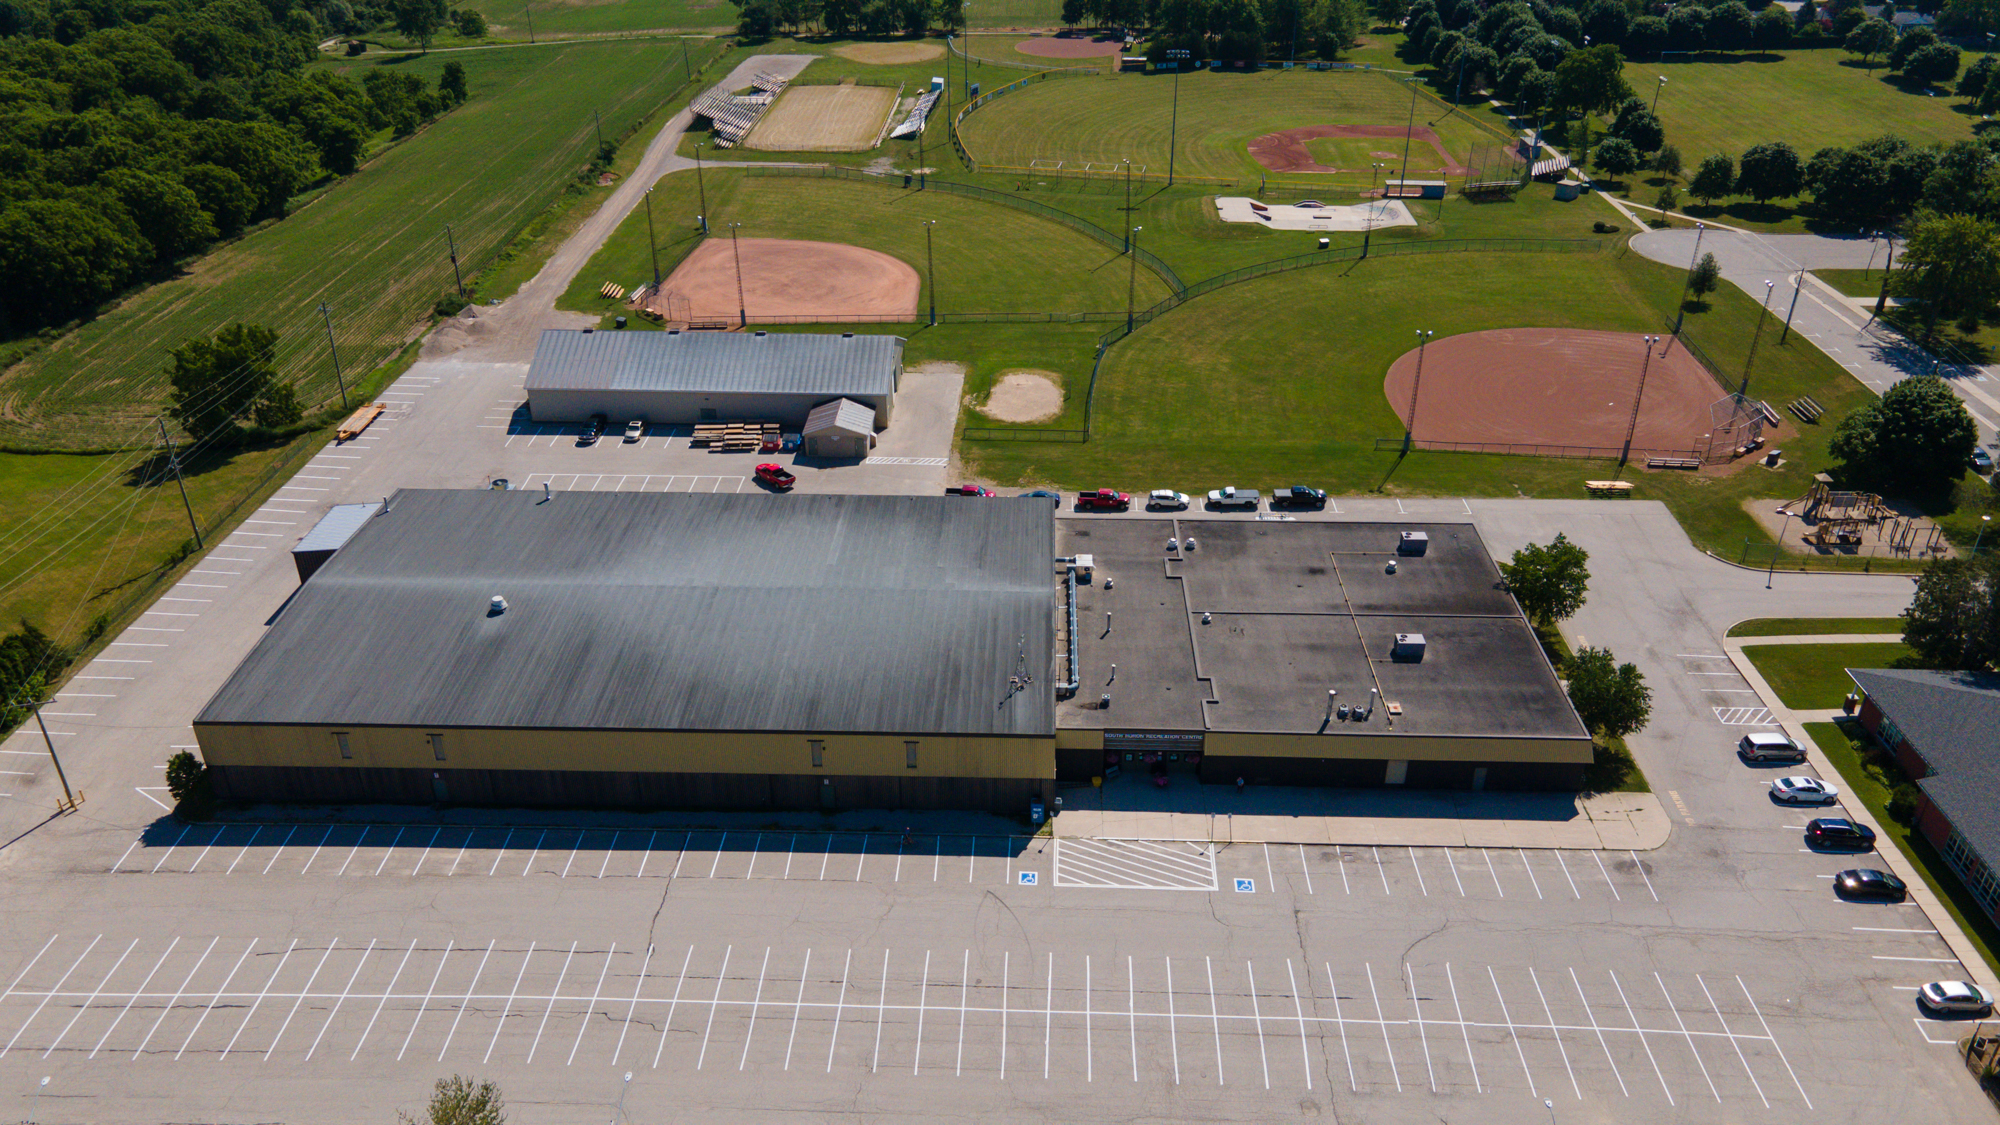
[
  {"x": 1932, "y": 823},
  {"x": 1906, "y": 756},
  {"x": 1871, "y": 716}
]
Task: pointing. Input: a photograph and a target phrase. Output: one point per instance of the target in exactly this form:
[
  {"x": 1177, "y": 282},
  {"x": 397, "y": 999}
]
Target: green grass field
[
  {"x": 510, "y": 18},
  {"x": 1808, "y": 99},
  {"x": 1102, "y": 120},
  {"x": 1854, "y": 283},
  {"x": 1812, "y": 677},
  {"x": 373, "y": 247},
  {"x": 1815, "y": 626}
]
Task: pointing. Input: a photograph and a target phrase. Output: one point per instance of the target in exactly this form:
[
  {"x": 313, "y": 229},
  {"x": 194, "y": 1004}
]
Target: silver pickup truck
[{"x": 1246, "y": 498}]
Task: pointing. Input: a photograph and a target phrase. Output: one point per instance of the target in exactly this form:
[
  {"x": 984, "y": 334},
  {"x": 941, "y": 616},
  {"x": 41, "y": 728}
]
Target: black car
[
  {"x": 1870, "y": 884},
  {"x": 593, "y": 430},
  {"x": 1835, "y": 832}
]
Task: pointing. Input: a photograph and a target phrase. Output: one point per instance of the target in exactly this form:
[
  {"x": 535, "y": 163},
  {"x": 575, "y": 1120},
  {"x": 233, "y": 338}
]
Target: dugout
[{"x": 688, "y": 377}]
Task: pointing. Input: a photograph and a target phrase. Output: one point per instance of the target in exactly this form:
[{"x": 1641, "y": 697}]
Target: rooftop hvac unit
[
  {"x": 1409, "y": 648},
  {"x": 1413, "y": 543}
]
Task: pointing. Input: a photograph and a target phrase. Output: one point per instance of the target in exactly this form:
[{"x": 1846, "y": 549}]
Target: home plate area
[{"x": 1150, "y": 865}]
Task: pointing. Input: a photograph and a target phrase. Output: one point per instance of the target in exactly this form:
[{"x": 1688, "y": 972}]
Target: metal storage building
[
  {"x": 686, "y": 377},
  {"x": 330, "y": 534},
  {"x": 841, "y": 428}
]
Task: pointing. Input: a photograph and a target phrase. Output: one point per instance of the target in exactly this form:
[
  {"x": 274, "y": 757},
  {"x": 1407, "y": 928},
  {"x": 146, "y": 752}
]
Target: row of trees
[
  {"x": 1255, "y": 29},
  {"x": 760, "y": 19},
  {"x": 1917, "y": 53},
  {"x": 1876, "y": 181},
  {"x": 1551, "y": 583},
  {"x": 1546, "y": 32},
  {"x": 140, "y": 142}
]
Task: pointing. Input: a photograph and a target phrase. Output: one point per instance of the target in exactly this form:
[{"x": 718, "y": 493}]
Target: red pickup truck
[
  {"x": 775, "y": 475},
  {"x": 1103, "y": 500}
]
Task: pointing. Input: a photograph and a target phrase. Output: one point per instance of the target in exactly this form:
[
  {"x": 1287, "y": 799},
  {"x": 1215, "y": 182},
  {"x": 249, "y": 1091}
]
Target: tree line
[
  {"x": 133, "y": 133},
  {"x": 761, "y": 19}
]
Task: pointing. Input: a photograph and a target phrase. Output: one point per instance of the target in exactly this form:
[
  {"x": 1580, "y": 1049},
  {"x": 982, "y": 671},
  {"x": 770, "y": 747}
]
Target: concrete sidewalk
[{"x": 1417, "y": 818}]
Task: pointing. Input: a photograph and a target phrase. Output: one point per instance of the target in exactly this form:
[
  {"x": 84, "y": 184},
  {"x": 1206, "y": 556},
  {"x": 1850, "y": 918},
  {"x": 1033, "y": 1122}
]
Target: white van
[{"x": 1770, "y": 746}]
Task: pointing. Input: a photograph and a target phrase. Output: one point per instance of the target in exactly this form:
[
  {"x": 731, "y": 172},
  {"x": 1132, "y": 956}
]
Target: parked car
[
  {"x": 1167, "y": 500},
  {"x": 1299, "y": 496},
  {"x": 635, "y": 429},
  {"x": 1982, "y": 461},
  {"x": 1955, "y": 996},
  {"x": 1230, "y": 497},
  {"x": 1103, "y": 500},
  {"x": 771, "y": 445},
  {"x": 1870, "y": 884},
  {"x": 1767, "y": 746},
  {"x": 593, "y": 430},
  {"x": 1837, "y": 832},
  {"x": 775, "y": 476},
  {"x": 1803, "y": 791},
  {"x": 968, "y": 490},
  {"x": 1044, "y": 494}
]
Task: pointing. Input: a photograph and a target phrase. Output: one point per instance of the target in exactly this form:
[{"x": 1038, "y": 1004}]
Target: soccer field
[{"x": 1102, "y": 120}]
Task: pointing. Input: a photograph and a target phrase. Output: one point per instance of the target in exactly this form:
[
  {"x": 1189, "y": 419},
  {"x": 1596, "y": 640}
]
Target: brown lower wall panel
[
  {"x": 592, "y": 789},
  {"x": 1362, "y": 773}
]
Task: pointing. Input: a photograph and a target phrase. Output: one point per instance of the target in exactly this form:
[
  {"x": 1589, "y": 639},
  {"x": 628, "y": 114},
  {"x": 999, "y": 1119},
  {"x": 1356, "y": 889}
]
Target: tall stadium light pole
[
  {"x": 1410, "y": 427},
  {"x": 1173, "y": 129},
  {"x": 1656, "y": 94},
  {"x": 174, "y": 463},
  {"x": 1680, "y": 312},
  {"x": 326, "y": 318},
  {"x": 1754, "y": 337},
  {"x": 1798, "y": 282},
  {"x": 1131, "y": 278},
  {"x": 1783, "y": 532},
  {"x": 1632, "y": 426},
  {"x": 1409, "y": 131},
  {"x": 68, "y": 797},
  {"x": 742, "y": 310},
  {"x": 1984, "y": 521},
  {"x": 701, "y": 185},
  {"x": 1128, "y": 201},
  {"x": 652, "y": 240},
  {"x": 452, "y": 242},
  {"x": 930, "y": 269}
]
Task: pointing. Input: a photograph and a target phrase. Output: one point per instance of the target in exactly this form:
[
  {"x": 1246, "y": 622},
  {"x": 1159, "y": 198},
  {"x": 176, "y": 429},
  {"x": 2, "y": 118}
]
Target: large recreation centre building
[{"x": 821, "y": 651}]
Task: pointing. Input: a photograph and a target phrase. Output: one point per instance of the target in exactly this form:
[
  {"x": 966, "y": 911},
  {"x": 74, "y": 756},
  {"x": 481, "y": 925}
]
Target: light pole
[
  {"x": 68, "y": 798},
  {"x": 701, "y": 185},
  {"x": 1798, "y": 282},
  {"x": 1888, "y": 266},
  {"x": 1656, "y": 94},
  {"x": 1754, "y": 338},
  {"x": 1976, "y": 540},
  {"x": 742, "y": 311},
  {"x": 1632, "y": 427},
  {"x": 1131, "y": 277},
  {"x": 1782, "y": 532},
  {"x": 1128, "y": 202},
  {"x": 1680, "y": 313},
  {"x": 652, "y": 240},
  {"x": 1374, "y": 170},
  {"x": 1410, "y": 427},
  {"x": 930, "y": 269},
  {"x": 1173, "y": 128}
]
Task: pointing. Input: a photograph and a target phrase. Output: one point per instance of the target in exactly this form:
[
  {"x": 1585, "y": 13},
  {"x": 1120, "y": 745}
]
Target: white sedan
[
  {"x": 1803, "y": 791},
  {"x": 1167, "y": 499},
  {"x": 1955, "y": 996}
]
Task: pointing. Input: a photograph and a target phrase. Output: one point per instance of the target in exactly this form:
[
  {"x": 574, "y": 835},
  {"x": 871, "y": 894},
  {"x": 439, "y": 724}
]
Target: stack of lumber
[{"x": 733, "y": 437}]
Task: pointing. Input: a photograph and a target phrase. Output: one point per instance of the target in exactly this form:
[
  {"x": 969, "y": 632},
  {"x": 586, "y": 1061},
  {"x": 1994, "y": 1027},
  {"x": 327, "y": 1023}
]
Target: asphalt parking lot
[{"x": 751, "y": 967}]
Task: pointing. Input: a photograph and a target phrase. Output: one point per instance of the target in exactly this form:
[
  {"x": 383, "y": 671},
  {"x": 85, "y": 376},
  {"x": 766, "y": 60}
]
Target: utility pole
[
  {"x": 742, "y": 311},
  {"x": 687, "y": 68},
  {"x": 69, "y": 799},
  {"x": 652, "y": 240},
  {"x": 597, "y": 120},
  {"x": 528, "y": 10},
  {"x": 701, "y": 186},
  {"x": 174, "y": 463},
  {"x": 1174, "y": 127},
  {"x": 1680, "y": 312},
  {"x": 930, "y": 269},
  {"x": 1131, "y": 278},
  {"x": 326, "y": 318},
  {"x": 1632, "y": 426},
  {"x": 452, "y": 241},
  {"x": 1410, "y": 427},
  {"x": 1798, "y": 282},
  {"x": 1754, "y": 337}
]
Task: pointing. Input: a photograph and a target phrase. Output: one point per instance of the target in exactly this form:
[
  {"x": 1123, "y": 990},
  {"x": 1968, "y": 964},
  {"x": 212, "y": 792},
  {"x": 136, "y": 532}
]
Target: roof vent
[
  {"x": 762, "y": 333},
  {"x": 588, "y": 331},
  {"x": 498, "y": 607},
  {"x": 847, "y": 335},
  {"x": 673, "y": 331}
]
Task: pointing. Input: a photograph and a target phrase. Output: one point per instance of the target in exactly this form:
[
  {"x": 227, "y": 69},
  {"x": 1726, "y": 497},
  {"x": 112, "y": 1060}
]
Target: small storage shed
[
  {"x": 1413, "y": 189},
  {"x": 841, "y": 428},
  {"x": 330, "y": 534}
]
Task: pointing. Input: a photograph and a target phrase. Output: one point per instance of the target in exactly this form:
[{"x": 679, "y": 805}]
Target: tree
[
  {"x": 1909, "y": 43},
  {"x": 1847, "y": 183},
  {"x": 757, "y": 19},
  {"x": 1869, "y": 39},
  {"x": 1715, "y": 178},
  {"x": 1846, "y": 21},
  {"x": 418, "y": 20},
  {"x": 1617, "y": 158},
  {"x": 451, "y": 84},
  {"x": 1550, "y": 582},
  {"x": 1963, "y": 181},
  {"x": 1590, "y": 80},
  {"x": 1667, "y": 161},
  {"x": 1953, "y": 620},
  {"x": 1976, "y": 78},
  {"x": 470, "y": 24},
  {"x": 1647, "y": 36},
  {"x": 1936, "y": 63},
  {"x": 185, "y": 776},
  {"x": 1771, "y": 171},
  {"x": 28, "y": 659},
  {"x": 59, "y": 256},
  {"x": 168, "y": 215},
  {"x": 1072, "y": 13},
  {"x": 1606, "y": 21},
  {"x": 1687, "y": 28},
  {"x": 1637, "y": 124},
  {"x": 457, "y": 1101},
  {"x": 1952, "y": 264},
  {"x": 1728, "y": 26},
  {"x": 1391, "y": 12},
  {"x": 1705, "y": 277},
  {"x": 216, "y": 381},
  {"x": 1913, "y": 441},
  {"x": 1611, "y": 698},
  {"x": 1772, "y": 29},
  {"x": 1538, "y": 91}
]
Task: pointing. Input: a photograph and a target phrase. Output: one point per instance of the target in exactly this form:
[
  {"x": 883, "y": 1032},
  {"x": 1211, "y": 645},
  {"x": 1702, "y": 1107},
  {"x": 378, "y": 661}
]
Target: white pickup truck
[{"x": 1246, "y": 498}]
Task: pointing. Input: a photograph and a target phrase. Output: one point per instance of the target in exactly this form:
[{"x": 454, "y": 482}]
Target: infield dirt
[
  {"x": 1287, "y": 151},
  {"x": 787, "y": 279},
  {"x": 825, "y": 119}
]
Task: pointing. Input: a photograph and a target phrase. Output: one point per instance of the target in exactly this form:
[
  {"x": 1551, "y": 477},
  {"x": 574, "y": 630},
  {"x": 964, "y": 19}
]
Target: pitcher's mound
[
  {"x": 890, "y": 54},
  {"x": 788, "y": 281},
  {"x": 1025, "y": 395}
]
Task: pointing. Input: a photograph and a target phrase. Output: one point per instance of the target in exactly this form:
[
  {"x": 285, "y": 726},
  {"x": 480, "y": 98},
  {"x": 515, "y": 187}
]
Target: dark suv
[{"x": 1834, "y": 832}]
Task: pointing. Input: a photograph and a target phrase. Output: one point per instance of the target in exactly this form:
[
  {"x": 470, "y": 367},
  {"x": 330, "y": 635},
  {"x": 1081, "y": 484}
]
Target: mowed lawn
[
  {"x": 990, "y": 258},
  {"x": 510, "y": 18},
  {"x": 1814, "y": 677},
  {"x": 372, "y": 247},
  {"x": 1103, "y": 120},
  {"x": 1808, "y": 99}
]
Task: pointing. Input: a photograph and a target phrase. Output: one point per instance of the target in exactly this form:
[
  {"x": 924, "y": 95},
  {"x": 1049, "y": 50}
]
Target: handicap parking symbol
[
  {"x": 1030, "y": 878},
  {"x": 1247, "y": 886}
]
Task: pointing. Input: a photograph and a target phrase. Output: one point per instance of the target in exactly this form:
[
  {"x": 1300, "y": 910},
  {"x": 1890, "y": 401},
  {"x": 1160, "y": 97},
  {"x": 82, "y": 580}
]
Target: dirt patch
[
  {"x": 844, "y": 118},
  {"x": 1287, "y": 152},
  {"x": 787, "y": 279},
  {"x": 1523, "y": 388},
  {"x": 606, "y": 179},
  {"x": 1070, "y": 47},
  {"x": 890, "y": 54},
  {"x": 1024, "y": 395}
]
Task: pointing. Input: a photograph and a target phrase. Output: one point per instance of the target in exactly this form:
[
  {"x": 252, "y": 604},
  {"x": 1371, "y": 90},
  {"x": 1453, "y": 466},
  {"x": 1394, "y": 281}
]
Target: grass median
[
  {"x": 1814, "y": 677},
  {"x": 1814, "y": 626}
]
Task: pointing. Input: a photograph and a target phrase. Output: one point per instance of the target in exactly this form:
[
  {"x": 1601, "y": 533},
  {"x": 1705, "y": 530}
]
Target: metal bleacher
[{"x": 732, "y": 116}]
